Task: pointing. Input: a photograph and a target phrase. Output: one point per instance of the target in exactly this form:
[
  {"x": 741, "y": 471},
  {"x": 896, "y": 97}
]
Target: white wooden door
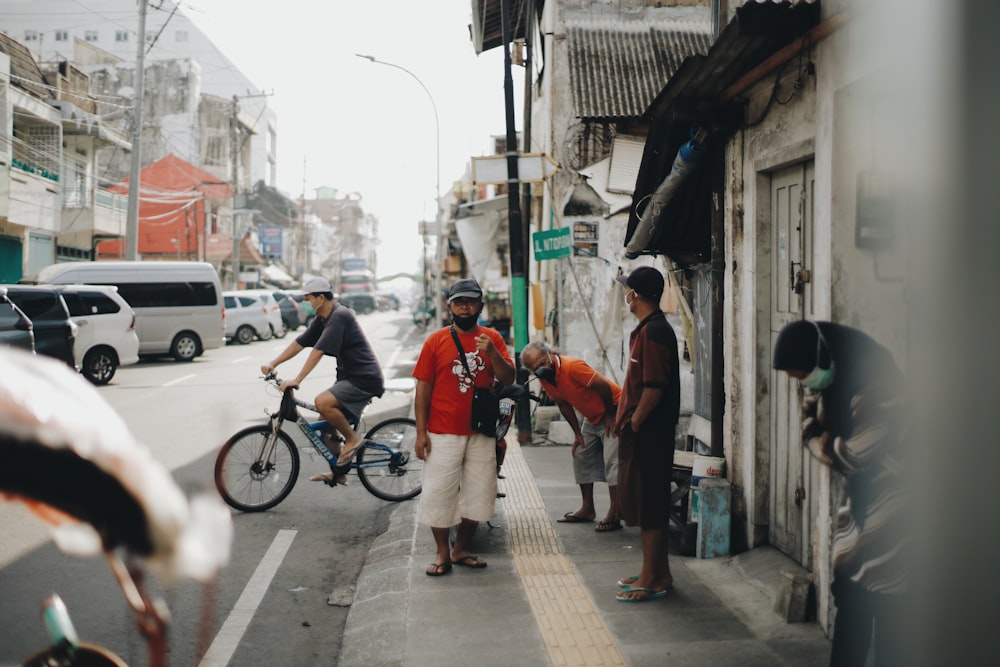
[{"x": 793, "y": 473}]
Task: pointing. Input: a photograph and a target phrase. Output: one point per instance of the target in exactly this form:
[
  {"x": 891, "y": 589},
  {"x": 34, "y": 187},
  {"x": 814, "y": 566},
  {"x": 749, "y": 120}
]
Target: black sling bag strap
[{"x": 485, "y": 404}]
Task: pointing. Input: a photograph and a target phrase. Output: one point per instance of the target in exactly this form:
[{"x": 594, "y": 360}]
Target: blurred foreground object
[{"x": 70, "y": 458}]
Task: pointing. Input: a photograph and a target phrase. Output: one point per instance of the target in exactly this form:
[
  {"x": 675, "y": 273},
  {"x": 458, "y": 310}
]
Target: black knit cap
[
  {"x": 796, "y": 348},
  {"x": 646, "y": 281}
]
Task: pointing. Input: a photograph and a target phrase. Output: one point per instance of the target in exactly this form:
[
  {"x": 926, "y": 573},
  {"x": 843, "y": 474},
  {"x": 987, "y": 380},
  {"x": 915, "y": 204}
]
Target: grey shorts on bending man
[
  {"x": 352, "y": 400},
  {"x": 598, "y": 462}
]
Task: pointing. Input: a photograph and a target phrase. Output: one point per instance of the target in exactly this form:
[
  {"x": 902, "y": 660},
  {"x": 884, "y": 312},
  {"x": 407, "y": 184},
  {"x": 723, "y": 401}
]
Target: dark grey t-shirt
[{"x": 340, "y": 336}]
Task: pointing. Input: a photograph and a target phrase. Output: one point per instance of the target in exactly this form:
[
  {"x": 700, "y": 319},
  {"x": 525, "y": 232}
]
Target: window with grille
[
  {"x": 31, "y": 35},
  {"x": 90, "y": 35},
  {"x": 121, "y": 35},
  {"x": 42, "y": 150},
  {"x": 62, "y": 35}
]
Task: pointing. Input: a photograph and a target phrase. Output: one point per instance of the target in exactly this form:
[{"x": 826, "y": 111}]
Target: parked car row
[
  {"x": 89, "y": 327},
  {"x": 98, "y": 316},
  {"x": 261, "y": 314}
]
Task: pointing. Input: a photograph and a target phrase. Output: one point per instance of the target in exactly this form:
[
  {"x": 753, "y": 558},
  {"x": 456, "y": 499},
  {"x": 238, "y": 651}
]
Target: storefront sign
[
  {"x": 270, "y": 241},
  {"x": 552, "y": 243},
  {"x": 585, "y": 239}
]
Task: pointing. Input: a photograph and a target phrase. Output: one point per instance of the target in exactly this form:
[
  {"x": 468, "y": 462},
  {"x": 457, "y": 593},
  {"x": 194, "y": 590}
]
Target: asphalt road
[{"x": 306, "y": 553}]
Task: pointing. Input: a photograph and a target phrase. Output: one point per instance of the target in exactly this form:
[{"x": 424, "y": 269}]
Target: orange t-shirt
[
  {"x": 451, "y": 387},
  {"x": 573, "y": 380}
]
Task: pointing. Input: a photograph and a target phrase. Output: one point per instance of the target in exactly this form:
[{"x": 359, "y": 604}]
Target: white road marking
[
  {"x": 224, "y": 645},
  {"x": 180, "y": 379},
  {"x": 240, "y": 360}
]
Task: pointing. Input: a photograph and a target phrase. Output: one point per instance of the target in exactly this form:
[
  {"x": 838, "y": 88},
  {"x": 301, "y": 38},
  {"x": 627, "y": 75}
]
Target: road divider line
[
  {"x": 180, "y": 379},
  {"x": 240, "y": 360},
  {"x": 228, "y": 639}
]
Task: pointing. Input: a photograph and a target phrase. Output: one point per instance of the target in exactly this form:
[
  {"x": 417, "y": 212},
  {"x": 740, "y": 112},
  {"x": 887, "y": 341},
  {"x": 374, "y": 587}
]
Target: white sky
[{"x": 357, "y": 126}]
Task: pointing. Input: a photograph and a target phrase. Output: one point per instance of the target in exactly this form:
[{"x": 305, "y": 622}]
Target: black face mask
[
  {"x": 546, "y": 373},
  {"x": 464, "y": 322}
]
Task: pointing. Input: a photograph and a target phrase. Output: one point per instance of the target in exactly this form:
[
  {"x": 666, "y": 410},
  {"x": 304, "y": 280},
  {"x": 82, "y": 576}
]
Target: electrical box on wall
[{"x": 874, "y": 227}]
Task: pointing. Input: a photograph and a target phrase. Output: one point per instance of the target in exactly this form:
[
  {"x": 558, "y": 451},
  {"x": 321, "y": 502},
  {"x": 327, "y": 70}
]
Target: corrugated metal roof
[
  {"x": 25, "y": 73},
  {"x": 486, "y": 29},
  {"x": 694, "y": 96},
  {"x": 616, "y": 70},
  {"x": 759, "y": 29}
]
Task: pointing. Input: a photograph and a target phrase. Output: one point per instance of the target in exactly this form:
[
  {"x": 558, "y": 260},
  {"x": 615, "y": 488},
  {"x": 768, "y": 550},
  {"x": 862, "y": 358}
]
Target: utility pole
[
  {"x": 518, "y": 287},
  {"x": 234, "y": 153},
  {"x": 132, "y": 210},
  {"x": 303, "y": 236},
  {"x": 524, "y": 406}
]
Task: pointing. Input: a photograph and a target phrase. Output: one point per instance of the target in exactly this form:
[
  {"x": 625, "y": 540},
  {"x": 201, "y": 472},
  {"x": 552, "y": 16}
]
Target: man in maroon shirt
[{"x": 646, "y": 421}]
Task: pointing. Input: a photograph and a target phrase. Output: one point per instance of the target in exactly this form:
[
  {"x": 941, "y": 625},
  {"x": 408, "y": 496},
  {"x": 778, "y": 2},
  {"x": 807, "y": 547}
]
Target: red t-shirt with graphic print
[{"x": 451, "y": 388}]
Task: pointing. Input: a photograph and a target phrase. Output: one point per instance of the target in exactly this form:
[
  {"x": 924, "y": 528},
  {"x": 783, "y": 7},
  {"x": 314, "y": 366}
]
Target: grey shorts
[
  {"x": 598, "y": 462},
  {"x": 352, "y": 400}
]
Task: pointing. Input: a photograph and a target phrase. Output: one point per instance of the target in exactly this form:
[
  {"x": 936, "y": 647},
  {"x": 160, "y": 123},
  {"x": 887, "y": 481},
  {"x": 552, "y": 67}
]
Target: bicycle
[{"x": 258, "y": 466}]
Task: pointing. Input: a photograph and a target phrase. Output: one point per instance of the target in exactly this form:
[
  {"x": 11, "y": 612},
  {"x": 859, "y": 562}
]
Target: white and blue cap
[{"x": 316, "y": 285}]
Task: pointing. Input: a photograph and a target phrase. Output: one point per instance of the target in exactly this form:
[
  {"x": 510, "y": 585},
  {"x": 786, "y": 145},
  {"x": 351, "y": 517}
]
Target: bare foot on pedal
[{"x": 330, "y": 478}]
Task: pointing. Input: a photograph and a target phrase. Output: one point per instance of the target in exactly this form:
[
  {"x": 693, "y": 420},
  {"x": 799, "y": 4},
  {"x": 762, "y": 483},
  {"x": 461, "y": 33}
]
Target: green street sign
[{"x": 552, "y": 243}]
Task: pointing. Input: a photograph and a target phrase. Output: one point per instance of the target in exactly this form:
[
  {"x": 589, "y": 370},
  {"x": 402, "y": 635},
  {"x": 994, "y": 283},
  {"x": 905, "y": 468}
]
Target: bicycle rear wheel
[
  {"x": 387, "y": 463},
  {"x": 250, "y": 483}
]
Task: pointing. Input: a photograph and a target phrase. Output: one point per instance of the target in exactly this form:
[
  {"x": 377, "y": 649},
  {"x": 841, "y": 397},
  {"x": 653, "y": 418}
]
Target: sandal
[
  {"x": 474, "y": 562},
  {"x": 437, "y": 569},
  {"x": 348, "y": 454},
  {"x": 646, "y": 594},
  {"x": 607, "y": 526}
]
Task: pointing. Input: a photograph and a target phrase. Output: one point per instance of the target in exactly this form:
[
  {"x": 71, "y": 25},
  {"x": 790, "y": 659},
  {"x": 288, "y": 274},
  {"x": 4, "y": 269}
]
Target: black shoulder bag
[{"x": 485, "y": 404}]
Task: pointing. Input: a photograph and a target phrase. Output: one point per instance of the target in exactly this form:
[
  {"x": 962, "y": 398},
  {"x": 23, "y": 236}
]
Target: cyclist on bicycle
[{"x": 335, "y": 332}]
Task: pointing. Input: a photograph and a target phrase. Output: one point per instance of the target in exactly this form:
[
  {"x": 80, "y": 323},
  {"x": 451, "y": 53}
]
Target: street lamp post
[{"x": 437, "y": 182}]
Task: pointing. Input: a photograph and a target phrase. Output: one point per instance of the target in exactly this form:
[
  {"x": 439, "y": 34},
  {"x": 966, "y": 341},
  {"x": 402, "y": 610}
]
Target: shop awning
[
  {"x": 275, "y": 274},
  {"x": 696, "y": 97},
  {"x": 486, "y": 29}
]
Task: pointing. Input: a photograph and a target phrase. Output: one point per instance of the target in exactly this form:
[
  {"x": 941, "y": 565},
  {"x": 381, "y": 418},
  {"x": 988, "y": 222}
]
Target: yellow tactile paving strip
[{"x": 573, "y": 631}]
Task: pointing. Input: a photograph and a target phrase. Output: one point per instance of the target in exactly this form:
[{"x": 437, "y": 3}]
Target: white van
[{"x": 178, "y": 305}]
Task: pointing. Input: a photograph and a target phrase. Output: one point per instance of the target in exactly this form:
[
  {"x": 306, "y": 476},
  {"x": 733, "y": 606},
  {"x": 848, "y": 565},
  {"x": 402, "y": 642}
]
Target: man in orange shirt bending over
[{"x": 575, "y": 386}]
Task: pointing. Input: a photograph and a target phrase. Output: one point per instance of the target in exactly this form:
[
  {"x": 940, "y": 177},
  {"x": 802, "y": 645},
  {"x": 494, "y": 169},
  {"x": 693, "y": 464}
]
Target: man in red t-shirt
[
  {"x": 459, "y": 483},
  {"x": 575, "y": 386},
  {"x": 645, "y": 424}
]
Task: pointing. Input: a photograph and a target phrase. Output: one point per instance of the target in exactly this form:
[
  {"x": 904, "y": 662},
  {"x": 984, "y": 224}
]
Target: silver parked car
[
  {"x": 246, "y": 317},
  {"x": 274, "y": 317}
]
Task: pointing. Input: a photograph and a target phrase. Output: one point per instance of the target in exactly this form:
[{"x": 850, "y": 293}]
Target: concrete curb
[{"x": 375, "y": 630}]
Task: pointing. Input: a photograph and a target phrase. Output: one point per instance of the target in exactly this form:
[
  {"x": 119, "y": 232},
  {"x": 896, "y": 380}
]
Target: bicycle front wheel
[
  {"x": 252, "y": 474},
  {"x": 387, "y": 464}
]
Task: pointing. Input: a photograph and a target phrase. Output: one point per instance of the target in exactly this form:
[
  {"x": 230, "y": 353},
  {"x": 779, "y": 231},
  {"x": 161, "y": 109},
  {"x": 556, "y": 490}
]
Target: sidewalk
[{"x": 548, "y": 595}]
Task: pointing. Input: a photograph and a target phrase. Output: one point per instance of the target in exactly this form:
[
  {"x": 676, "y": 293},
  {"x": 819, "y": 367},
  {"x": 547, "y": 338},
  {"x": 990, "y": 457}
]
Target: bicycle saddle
[{"x": 512, "y": 391}]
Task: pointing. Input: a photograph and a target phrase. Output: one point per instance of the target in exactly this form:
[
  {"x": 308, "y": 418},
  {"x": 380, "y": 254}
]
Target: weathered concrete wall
[
  {"x": 785, "y": 134},
  {"x": 834, "y": 120}
]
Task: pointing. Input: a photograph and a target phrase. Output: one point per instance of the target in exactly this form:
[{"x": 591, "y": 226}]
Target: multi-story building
[
  {"x": 101, "y": 35},
  {"x": 51, "y": 202}
]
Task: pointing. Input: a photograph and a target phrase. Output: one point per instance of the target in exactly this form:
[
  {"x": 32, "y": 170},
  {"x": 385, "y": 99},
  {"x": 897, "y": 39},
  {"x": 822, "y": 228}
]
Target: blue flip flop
[
  {"x": 623, "y": 585},
  {"x": 652, "y": 595}
]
